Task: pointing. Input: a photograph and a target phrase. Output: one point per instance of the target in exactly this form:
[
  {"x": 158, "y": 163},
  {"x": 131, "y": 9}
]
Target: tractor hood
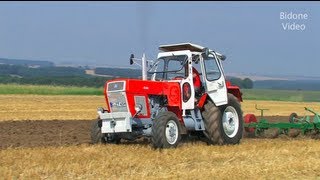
[
  {"x": 138, "y": 86},
  {"x": 144, "y": 88}
]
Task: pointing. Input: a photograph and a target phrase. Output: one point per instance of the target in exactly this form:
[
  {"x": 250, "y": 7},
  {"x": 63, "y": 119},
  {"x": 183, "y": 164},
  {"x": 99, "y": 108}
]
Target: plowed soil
[{"x": 37, "y": 133}]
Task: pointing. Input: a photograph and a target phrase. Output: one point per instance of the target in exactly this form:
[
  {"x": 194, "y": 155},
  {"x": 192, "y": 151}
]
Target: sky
[{"x": 252, "y": 35}]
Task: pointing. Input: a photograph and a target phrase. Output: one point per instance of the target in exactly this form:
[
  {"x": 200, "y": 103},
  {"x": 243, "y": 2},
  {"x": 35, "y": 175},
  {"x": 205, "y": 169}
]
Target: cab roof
[
  {"x": 184, "y": 46},
  {"x": 181, "y": 47}
]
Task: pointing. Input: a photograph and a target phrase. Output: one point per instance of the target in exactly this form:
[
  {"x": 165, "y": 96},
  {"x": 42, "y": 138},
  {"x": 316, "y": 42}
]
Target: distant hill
[
  {"x": 281, "y": 82},
  {"x": 118, "y": 72},
  {"x": 255, "y": 77},
  {"x": 313, "y": 85},
  {"x": 23, "y": 71},
  {"x": 65, "y": 76},
  {"x": 28, "y": 63}
]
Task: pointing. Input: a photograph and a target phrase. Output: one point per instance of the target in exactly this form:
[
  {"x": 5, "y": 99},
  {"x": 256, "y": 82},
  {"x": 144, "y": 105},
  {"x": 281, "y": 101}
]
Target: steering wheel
[{"x": 178, "y": 78}]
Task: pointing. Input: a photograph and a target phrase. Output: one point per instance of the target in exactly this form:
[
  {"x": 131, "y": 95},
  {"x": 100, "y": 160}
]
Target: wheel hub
[
  {"x": 230, "y": 121},
  {"x": 171, "y": 132}
]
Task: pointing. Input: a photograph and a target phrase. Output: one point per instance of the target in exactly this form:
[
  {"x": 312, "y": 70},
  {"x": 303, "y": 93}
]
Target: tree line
[
  {"x": 6, "y": 69},
  {"x": 245, "y": 83},
  {"x": 24, "y": 62},
  {"x": 79, "y": 81},
  {"x": 119, "y": 72},
  {"x": 76, "y": 76}
]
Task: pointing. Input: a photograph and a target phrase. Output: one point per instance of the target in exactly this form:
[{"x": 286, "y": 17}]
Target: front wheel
[
  {"x": 97, "y": 137},
  {"x": 166, "y": 130},
  {"x": 232, "y": 121}
]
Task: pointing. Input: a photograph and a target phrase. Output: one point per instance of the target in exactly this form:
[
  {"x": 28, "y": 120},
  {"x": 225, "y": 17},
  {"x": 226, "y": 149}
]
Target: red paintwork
[
  {"x": 105, "y": 95},
  {"x": 235, "y": 90},
  {"x": 137, "y": 87},
  {"x": 177, "y": 111},
  {"x": 202, "y": 100}
]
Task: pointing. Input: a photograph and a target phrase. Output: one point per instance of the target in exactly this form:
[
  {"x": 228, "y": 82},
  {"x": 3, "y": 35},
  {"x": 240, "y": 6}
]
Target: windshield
[{"x": 169, "y": 67}]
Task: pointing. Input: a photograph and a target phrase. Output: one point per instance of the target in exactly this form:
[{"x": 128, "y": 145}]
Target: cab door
[
  {"x": 214, "y": 78},
  {"x": 186, "y": 82}
]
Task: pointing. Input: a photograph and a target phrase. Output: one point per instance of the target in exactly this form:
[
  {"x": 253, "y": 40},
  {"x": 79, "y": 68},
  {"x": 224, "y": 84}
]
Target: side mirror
[
  {"x": 205, "y": 52},
  {"x": 131, "y": 59},
  {"x": 223, "y": 57}
]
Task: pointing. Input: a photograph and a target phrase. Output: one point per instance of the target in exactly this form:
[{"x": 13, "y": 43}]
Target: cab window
[
  {"x": 212, "y": 69},
  {"x": 169, "y": 67}
]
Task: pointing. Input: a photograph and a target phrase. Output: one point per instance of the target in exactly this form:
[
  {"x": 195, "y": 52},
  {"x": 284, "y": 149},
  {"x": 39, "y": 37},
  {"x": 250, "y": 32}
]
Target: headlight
[{"x": 138, "y": 108}]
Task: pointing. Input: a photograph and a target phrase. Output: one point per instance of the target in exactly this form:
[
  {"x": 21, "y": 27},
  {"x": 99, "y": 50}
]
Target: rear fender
[
  {"x": 177, "y": 111},
  {"x": 235, "y": 90},
  {"x": 202, "y": 100},
  {"x": 236, "y": 93}
]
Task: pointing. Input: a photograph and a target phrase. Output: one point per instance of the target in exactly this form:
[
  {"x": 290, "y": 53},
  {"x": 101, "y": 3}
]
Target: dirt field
[
  {"x": 44, "y": 133},
  {"x": 52, "y": 132}
]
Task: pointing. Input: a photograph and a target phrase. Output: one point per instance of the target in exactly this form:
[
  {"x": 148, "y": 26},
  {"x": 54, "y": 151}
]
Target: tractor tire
[
  {"x": 112, "y": 138},
  {"x": 212, "y": 123},
  {"x": 166, "y": 131},
  {"x": 100, "y": 138},
  {"x": 232, "y": 121},
  {"x": 96, "y": 136}
]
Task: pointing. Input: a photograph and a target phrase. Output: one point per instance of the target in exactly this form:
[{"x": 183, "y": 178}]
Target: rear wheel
[
  {"x": 223, "y": 125},
  {"x": 166, "y": 131},
  {"x": 212, "y": 123}
]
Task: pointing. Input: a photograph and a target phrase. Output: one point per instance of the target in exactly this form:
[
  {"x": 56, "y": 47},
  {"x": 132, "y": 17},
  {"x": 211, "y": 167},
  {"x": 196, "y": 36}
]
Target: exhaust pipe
[
  {"x": 144, "y": 64},
  {"x": 144, "y": 67}
]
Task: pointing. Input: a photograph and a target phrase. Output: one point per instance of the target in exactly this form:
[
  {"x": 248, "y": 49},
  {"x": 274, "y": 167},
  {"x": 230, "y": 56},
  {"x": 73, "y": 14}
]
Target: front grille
[
  {"x": 118, "y": 102},
  {"x": 142, "y": 101}
]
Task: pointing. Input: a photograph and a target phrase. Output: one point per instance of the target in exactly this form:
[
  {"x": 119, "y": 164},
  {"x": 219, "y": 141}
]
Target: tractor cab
[{"x": 177, "y": 62}]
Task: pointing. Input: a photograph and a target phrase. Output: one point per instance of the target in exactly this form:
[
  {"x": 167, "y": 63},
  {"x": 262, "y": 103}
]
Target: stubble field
[
  {"x": 47, "y": 137},
  {"x": 74, "y": 107}
]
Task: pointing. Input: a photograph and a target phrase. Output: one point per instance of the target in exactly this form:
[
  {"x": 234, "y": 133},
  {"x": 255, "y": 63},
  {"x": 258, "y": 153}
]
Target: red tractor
[{"x": 167, "y": 105}]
